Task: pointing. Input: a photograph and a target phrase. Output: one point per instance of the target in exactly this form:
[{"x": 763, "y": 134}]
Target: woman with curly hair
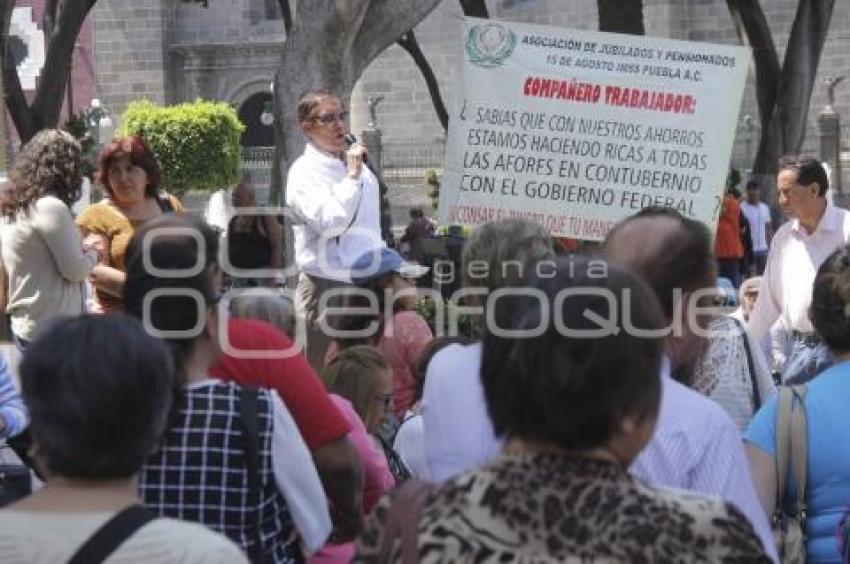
[
  {"x": 42, "y": 253},
  {"x": 130, "y": 175}
]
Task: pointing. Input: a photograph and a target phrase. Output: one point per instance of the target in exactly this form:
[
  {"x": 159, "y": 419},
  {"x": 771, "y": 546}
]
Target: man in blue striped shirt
[{"x": 695, "y": 446}]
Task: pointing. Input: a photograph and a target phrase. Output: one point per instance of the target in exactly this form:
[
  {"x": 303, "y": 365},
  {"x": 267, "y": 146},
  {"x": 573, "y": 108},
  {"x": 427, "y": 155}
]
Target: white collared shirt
[
  {"x": 339, "y": 217},
  {"x": 793, "y": 261}
]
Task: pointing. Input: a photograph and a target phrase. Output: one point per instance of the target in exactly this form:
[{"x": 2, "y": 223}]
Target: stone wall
[{"x": 130, "y": 52}]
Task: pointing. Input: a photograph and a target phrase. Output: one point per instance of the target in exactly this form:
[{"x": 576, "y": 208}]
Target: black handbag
[{"x": 15, "y": 481}]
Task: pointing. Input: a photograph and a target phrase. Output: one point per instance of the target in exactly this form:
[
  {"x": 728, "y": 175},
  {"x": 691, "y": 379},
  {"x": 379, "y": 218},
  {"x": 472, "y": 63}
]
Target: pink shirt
[
  {"x": 377, "y": 478},
  {"x": 405, "y": 337}
]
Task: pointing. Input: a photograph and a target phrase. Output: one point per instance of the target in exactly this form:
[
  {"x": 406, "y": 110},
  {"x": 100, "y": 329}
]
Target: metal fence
[{"x": 407, "y": 160}]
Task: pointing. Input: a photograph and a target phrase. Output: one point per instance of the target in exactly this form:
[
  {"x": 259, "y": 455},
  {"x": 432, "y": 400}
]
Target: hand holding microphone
[{"x": 355, "y": 156}]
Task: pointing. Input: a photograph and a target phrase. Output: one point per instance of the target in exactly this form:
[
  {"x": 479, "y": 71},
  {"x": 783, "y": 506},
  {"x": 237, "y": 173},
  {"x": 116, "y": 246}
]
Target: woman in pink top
[
  {"x": 397, "y": 330},
  {"x": 360, "y": 384}
]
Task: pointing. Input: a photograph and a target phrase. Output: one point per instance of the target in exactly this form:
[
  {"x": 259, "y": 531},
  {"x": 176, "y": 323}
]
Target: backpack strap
[
  {"x": 799, "y": 450},
  {"x": 750, "y": 365},
  {"x": 248, "y": 399},
  {"x": 112, "y": 534},
  {"x": 408, "y": 502},
  {"x": 783, "y": 441}
]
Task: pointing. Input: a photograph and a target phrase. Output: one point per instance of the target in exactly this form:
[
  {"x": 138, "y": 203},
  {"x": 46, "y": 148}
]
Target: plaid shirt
[{"x": 199, "y": 473}]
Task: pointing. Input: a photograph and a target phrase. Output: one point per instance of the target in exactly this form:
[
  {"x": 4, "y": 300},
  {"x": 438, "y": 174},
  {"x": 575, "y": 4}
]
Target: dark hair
[
  {"x": 175, "y": 250},
  {"x": 416, "y": 213},
  {"x": 98, "y": 392},
  {"x": 808, "y": 170},
  {"x": 420, "y": 369},
  {"x": 140, "y": 155},
  {"x": 830, "y": 310},
  {"x": 569, "y": 391},
  {"x": 310, "y": 101},
  {"x": 49, "y": 164},
  {"x": 685, "y": 261},
  {"x": 752, "y": 184}
]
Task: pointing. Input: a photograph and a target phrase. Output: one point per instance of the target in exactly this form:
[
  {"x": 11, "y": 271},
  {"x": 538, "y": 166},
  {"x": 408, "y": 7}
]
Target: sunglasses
[{"x": 330, "y": 119}]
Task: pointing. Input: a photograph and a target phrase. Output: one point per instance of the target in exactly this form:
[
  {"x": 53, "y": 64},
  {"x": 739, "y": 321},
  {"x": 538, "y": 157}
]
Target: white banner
[{"x": 578, "y": 130}]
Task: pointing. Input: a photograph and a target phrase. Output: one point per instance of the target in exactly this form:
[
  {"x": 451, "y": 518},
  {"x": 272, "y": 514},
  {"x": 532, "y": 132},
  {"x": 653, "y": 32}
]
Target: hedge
[{"x": 196, "y": 144}]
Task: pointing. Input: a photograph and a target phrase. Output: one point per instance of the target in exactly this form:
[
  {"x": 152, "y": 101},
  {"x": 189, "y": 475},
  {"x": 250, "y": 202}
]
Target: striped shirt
[
  {"x": 12, "y": 408},
  {"x": 697, "y": 447}
]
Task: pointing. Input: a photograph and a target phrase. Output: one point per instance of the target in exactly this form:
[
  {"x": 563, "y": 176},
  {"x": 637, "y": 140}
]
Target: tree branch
[
  {"x": 286, "y": 11},
  {"x": 13, "y": 93},
  {"x": 474, "y": 8},
  {"x": 48, "y": 18},
  {"x": 621, "y": 16},
  {"x": 60, "y": 48},
  {"x": 749, "y": 18},
  {"x": 387, "y": 21},
  {"x": 408, "y": 43}
]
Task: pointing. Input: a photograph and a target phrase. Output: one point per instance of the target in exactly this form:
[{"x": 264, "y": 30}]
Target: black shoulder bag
[
  {"x": 112, "y": 534},
  {"x": 248, "y": 416},
  {"x": 750, "y": 366}
]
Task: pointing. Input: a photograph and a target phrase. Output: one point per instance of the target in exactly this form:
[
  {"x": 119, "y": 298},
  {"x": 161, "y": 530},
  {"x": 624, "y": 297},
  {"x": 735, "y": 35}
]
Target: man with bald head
[{"x": 695, "y": 446}]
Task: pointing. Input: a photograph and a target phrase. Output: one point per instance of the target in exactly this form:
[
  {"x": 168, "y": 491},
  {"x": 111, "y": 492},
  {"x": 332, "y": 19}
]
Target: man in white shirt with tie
[
  {"x": 816, "y": 228},
  {"x": 335, "y": 200}
]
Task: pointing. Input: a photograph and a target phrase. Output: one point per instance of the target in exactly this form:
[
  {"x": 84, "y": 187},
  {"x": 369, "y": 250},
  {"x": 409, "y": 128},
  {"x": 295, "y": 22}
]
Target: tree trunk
[
  {"x": 621, "y": 16},
  {"x": 783, "y": 94},
  {"x": 62, "y": 23}
]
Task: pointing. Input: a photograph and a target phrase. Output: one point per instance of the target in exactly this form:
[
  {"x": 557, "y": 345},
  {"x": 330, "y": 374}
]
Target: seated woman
[
  {"x": 575, "y": 405},
  {"x": 132, "y": 179},
  {"x": 826, "y": 401},
  {"x": 97, "y": 412},
  {"x": 202, "y": 471}
]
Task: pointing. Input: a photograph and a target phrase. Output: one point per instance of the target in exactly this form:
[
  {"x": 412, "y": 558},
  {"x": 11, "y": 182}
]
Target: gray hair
[
  {"x": 511, "y": 247},
  {"x": 271, "y": 308}
]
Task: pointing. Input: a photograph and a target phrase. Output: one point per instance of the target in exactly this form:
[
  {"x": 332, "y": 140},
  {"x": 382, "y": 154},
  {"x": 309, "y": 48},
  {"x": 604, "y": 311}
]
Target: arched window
[{"x": 256, "y": 134}]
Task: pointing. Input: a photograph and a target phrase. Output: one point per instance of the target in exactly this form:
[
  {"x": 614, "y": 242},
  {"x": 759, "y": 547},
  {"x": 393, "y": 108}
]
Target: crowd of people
[{"x": 166, "y": 418}]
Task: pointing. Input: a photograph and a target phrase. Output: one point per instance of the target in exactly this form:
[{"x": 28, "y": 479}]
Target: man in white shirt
[
  {"x": 335, "y": 199},
  {"x": 798, "y": 249},
  {"x": 696, "y": 446},
  {"x": 761, "y": 230}
]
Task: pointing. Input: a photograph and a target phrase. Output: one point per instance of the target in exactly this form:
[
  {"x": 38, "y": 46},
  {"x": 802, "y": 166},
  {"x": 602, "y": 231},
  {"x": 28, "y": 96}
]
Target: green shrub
[{"x": 196, "y": 144}]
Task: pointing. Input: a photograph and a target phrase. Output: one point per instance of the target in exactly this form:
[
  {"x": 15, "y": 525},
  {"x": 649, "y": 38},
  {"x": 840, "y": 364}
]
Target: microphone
[{"x": 350, "y": 140}]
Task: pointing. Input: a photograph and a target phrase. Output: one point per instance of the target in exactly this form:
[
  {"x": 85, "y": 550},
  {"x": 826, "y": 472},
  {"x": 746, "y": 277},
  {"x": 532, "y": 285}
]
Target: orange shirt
[{"x": 727, "y": 243}]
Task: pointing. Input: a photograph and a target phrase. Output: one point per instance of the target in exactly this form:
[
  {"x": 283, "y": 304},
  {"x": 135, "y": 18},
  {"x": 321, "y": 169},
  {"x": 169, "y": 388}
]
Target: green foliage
[
  {"x": 427, "y": 308},
  {"x": 77, "y": 125},
  {"x": 432, "y": 181},
  {"x": 197, "y": 143}
]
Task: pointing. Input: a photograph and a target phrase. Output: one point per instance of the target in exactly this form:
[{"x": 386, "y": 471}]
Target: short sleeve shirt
[{"x": 826, "y": 400}]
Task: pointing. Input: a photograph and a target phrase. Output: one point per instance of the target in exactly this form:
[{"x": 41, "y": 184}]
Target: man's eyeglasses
[{"x": 330, "y": 119}]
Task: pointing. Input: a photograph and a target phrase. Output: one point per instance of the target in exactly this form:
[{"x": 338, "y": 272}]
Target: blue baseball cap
[{"x": 378, "y": 262}]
